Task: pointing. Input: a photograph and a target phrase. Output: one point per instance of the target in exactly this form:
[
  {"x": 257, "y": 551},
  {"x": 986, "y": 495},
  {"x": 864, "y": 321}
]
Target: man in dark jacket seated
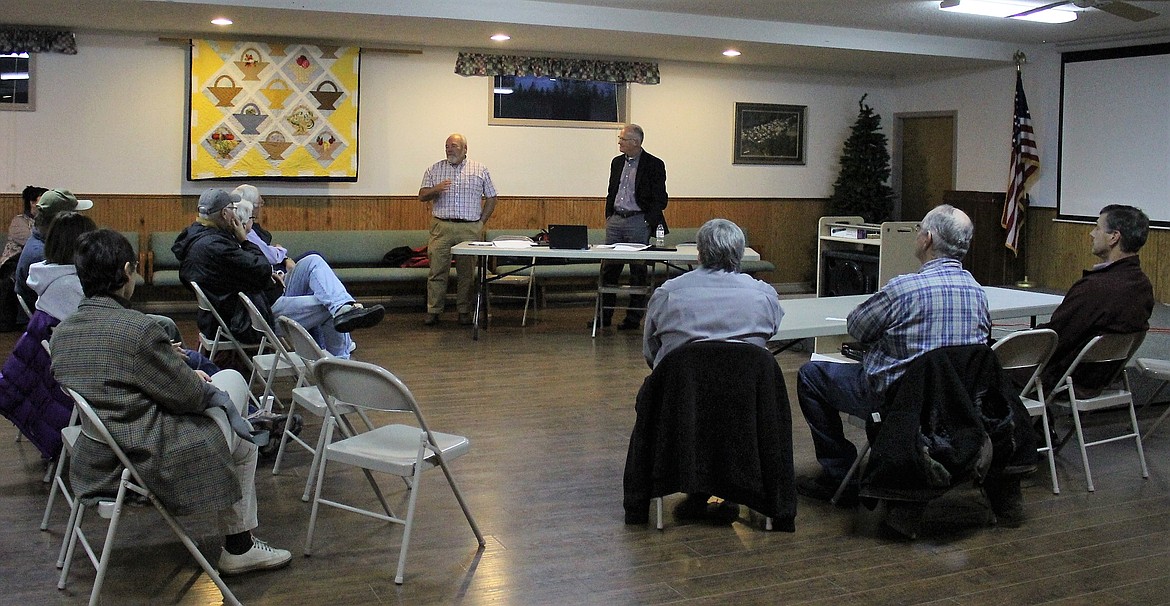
[
  {"x": 216, "y": 254},
  {"x": 1114, "y": 297}
]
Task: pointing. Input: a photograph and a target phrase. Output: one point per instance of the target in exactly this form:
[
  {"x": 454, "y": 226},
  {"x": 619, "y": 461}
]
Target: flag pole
[{"x": 1020, "y": 59}]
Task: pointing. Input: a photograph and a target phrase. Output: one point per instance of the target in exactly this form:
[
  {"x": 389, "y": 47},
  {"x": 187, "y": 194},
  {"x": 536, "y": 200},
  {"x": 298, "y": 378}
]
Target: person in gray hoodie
[{"x": 55, "y": 279}]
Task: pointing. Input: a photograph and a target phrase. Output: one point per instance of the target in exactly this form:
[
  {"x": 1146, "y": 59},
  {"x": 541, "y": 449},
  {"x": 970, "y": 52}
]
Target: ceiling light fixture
[
  {"x": 221, "y": 21},
  {"x": 731, "y": 52},
  {"x": 1007, "y": 8},
  {"x": 501, "y": 37}
]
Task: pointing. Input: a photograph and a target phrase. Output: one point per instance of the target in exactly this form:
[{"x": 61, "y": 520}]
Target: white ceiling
[{"x": 888, "y": 38}]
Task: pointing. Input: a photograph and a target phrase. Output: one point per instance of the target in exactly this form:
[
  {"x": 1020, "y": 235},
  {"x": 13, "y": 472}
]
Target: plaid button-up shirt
[
  {"x": 940, "y": 306},
  {"x": 470, "y": 184}
]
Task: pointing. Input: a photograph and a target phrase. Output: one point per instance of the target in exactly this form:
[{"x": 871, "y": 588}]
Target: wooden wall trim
[{"x": 783, "y": 230}]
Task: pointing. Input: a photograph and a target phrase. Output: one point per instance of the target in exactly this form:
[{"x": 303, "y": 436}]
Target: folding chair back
[
  {"x": 269, "y": 365},
  {"x": 402, "y": 450},
  {"x": 224, "y": 339},
  {"x": 523, "y": 277},
  {"x": 1026, "y": 354},
  {"x": 306, "y": 396},
  {"x": 1101, "y": 362},
  {"x": 92, "y": 428}
]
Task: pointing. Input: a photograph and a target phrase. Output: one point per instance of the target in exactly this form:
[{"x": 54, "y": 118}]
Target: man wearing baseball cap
[
  {"x": 216, "y": 254},
  {"x": 52, "y": 203}
]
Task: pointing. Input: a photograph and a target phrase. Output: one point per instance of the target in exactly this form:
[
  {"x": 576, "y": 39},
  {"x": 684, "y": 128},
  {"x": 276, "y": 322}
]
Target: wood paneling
[{"x": 783, "y": 230}]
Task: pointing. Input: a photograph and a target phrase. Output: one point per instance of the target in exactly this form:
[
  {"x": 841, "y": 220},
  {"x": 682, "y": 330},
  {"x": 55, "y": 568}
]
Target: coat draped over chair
[
  {"x": 713, "y": 418},
  {"x": 952, "y": 417}
]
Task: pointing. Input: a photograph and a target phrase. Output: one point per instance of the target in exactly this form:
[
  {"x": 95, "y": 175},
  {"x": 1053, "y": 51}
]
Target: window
[
  {"x": 16, "y": 82},
  {"x": 534, "y": 100}
]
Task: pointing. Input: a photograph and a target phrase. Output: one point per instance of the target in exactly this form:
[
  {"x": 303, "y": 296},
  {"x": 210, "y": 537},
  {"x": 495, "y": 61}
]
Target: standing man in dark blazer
[{"x": 633, "y": 209}]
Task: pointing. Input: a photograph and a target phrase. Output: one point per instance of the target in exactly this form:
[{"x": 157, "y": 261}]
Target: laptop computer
[{"x": 570, "y": 237}]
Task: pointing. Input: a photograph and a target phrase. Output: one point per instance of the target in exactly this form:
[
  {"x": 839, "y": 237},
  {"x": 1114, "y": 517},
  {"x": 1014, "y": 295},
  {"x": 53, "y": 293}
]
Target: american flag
[{"x": 1025, "y": 164}]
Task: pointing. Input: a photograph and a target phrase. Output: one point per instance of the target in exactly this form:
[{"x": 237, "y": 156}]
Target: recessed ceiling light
[
  {"x": 501, "y": 37},
  {"x": 221, "y": 21},
  {"x": 731, "y": 52}
]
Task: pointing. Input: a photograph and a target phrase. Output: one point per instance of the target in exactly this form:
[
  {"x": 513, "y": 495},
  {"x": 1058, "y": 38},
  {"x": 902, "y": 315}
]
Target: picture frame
[{"x": 769, "y": 133}]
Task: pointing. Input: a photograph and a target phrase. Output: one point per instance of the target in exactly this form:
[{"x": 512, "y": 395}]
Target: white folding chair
[
  {"x": 1160, "y": 371},
  {"x": 524, "y": 277},
  {"x": 1103, "y": 355},
  {"x": 270, "y": 365},
  {"x": 1028, "y": 351},
  {"x": 111, "y": 509},
  {"x": 402, "y": 450},
  {"x": 307, "y": 397},
  {"x": 224, "y": 339}
]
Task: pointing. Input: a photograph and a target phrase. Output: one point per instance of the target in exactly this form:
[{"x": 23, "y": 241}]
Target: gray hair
[
  {"x": 721, "y": 245},
  {"x": 244, "y": 210},
  {"x": 950, "y": 229},
  {"x": 248, "y": 193},
  {"x": 637, "y": 131}
]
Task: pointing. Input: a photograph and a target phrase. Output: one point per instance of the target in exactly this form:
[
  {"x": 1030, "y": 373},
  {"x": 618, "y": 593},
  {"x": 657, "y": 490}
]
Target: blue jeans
[
  {"x": 312, "y": 295},
  {"x": 825, "y": 389}
]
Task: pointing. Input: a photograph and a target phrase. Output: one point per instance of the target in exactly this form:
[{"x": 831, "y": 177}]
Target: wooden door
[{"x": 925, "y": 162}]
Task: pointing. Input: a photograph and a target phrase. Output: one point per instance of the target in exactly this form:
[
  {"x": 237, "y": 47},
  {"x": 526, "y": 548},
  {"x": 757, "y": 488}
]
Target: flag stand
[{"x": 1024, "y": 166}]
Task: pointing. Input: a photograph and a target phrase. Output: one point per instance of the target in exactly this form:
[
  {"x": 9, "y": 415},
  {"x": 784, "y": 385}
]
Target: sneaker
[
  {"x": 259, "y": 557},
  {"x": 431, "y": 320},
  {"x": 695, "y": 508},
  {"x": 353, "y": 316}
]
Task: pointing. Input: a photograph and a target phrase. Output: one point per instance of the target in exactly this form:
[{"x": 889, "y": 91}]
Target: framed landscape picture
[{"x": 766, "y": 133}]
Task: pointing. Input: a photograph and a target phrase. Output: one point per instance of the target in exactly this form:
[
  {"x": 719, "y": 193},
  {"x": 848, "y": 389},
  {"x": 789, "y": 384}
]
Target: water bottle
[{"x": 660, "y": 236}]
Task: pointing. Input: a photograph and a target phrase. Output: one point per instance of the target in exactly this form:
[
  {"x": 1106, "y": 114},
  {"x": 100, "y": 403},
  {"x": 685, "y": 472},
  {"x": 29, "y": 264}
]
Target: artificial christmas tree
[{"x": 861, "y": 187}]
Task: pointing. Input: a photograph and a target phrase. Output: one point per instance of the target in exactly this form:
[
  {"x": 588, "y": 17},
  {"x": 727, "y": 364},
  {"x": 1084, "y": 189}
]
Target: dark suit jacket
[{"x": 649, "y": 187}]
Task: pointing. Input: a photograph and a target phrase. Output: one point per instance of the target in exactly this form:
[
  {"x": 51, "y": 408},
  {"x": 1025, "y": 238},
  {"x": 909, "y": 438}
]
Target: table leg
[{"x": 480, "y": 297}]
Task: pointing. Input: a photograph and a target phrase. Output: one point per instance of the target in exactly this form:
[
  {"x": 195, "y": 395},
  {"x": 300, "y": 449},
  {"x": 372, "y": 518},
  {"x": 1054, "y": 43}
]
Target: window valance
[
  {"x": 36, "y": 40},
  {"x": 483, "y": 64}
]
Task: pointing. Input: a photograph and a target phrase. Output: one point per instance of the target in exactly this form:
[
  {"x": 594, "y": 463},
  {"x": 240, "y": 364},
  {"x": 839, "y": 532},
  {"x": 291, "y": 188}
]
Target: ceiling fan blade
[
  {"x": 1038, "y": 9},
  {"x": 1126, "y": 10}
]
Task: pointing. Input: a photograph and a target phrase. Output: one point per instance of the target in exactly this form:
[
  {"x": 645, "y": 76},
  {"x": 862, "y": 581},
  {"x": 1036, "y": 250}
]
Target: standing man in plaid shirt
[
  {"x": 940, "y": 306},
  {"x": 462, "y": 198}
]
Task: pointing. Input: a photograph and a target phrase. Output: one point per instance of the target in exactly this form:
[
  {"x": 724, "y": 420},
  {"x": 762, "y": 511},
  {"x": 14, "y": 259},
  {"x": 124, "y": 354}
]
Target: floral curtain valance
[
  {"x": 482, "y": 64},
  {"x": 35, "y": 40}
]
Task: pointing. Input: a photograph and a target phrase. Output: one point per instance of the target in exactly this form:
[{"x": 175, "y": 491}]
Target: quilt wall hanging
[{"x": 270, "y": 110}]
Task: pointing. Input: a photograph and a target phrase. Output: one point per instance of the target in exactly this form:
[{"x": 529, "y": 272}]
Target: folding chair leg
[
  {"x": 1084, "y": 451},
  {"x": 658, "y": 504},
  {"x": 312, "y": 466},
  {"x": 1137, "y": 437},
  {"x": 409, "y": 522},
  {"x": 1162, "y": 417},
  {"x": 228, "y": 596},
  {"x": 54, "y": 489},
  {"x": 1049, "y": 452},
  {"x": 462, "y": 502},
  {"x": 849, "y": 474},
  {"x": 284, "y": 437}
]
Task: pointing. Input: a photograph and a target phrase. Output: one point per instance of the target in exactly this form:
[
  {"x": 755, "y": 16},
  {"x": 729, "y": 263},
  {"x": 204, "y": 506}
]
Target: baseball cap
[
  {"x": 215, "y": 200},
  {"x": 55, "y": 201}
]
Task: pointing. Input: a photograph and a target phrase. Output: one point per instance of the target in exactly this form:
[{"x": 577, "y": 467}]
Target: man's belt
[
  {"x": 626, "y": 214},
  {"x": 457, "y": 220}
]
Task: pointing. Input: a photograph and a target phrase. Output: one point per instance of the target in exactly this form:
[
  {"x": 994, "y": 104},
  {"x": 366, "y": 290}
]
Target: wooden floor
[{"x": 549, "y": 413}]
